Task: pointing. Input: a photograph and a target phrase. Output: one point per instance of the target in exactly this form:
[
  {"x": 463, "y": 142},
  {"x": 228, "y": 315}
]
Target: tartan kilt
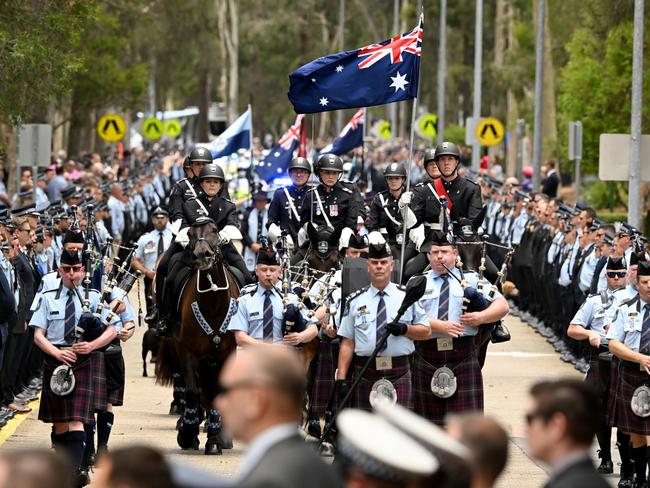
[
  {"x": 324, "y": 380},
  {"x": 80, "y": 404},
  {"x": 611, "y": 394},
  {"x": 598, "y": 377},
  {"x": 463, "y": 361},
  {"x": 622, "y": 417},
  {"x": 399, "y": 376},
  {"x": 115, "y": 378}
]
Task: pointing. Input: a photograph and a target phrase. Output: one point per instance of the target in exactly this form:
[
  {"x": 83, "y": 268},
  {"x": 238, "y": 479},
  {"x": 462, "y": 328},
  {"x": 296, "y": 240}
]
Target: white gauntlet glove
[
  {"x": 229, "y": 233},
  {"x": 405, "y": 199},
  {"x": 417, "y": 236},
  {"x": 409, "y": 217},
  {"x": 302, "y": 236},
  {"x": 274, "y": 232},
  {"x": 183, "y": 237}
]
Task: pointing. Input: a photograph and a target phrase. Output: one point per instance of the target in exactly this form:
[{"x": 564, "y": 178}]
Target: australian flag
[
  {"x": 234, "y": 138},
  {"x": 381, "y": 73},
  {"x": 350, "y": 137},
  {"x": 276, "y": 161}
]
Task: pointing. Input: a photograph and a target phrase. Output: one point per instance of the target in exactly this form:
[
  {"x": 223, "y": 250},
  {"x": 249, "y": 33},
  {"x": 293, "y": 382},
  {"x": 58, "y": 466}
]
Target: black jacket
[
  {"x": 222, "y": 211},
  {"x": 581, "y": 474},
  {"x": 281, "y": 213},
  {"x": 464, "y": 194}
]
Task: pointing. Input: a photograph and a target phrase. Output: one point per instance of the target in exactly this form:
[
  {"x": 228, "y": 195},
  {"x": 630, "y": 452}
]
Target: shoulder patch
[
  {"x": 355, "y": 294},
  {"x": 631, "y": 301},
  {"x": 248, "y": 289}
]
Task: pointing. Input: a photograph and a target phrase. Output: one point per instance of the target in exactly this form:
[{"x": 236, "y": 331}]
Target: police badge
[
  {"x": 62, "y": 381},
  {"x": 640, "y": 403},
  {"x": 382, "y": 390},
  {"x": 444, "y": 383},
  {"x": 334, "y": 210}
]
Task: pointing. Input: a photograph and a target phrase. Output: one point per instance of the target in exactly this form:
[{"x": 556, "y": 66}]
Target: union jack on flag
[
  {"x": 276, "y": 161},
  {"x": 383, "y": 72},
  {"x": 350, "y": 137}
]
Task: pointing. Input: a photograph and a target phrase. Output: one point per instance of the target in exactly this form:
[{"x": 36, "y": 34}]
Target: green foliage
[
  {"x": 606, "y": 194},
  {"x": 454, "y": 133}
]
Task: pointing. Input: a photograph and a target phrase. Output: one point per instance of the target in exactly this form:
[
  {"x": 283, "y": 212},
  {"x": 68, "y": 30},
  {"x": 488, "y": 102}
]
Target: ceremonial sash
[{"x": 440, "y": 190}]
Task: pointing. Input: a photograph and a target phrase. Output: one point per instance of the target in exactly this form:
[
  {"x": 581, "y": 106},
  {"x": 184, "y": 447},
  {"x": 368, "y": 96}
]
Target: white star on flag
[
  {"x": 399, "y": 82},
  {"x": 339, "y": 68},
  {"x": 324, "y": 101},
  {"x": 313, "y": 80}
]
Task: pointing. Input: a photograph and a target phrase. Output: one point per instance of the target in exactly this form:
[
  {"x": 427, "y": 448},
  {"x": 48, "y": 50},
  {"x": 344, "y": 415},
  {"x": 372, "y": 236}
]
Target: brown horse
[{"x": 202, "y": 344}]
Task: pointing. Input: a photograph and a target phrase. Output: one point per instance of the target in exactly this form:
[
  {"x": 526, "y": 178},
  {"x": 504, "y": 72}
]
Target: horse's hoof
[
  {"x": 174, "y": 409},
  {"x": 224, "y": 441},
  {"x": 153, "y": 359},
  {"x": 144, "y": 374},
  {"x": 179, "y": 422},
  {"x": 212, "y": 449}
]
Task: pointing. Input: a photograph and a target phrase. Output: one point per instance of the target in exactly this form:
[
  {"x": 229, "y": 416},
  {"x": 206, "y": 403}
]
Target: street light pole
[
  {"x": 539, "y": 95},
  {"x": 478, "y": 67},
  {"x": 442, "y": 69},
  {"x": 634, "y": 188}
]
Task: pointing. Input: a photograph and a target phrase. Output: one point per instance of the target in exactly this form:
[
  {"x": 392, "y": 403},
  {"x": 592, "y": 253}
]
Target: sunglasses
[
  {"x": 532, "y": 416},
  {"x": 68, "y": 269},
  {"x": 240, "y": 385},
  {"x": 616, "y": 274}
]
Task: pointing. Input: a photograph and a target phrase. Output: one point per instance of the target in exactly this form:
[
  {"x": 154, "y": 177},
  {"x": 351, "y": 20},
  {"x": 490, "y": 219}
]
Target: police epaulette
[
  {"x": 419, "y": 185},
  {"x": 401, "y": 287},
  {"x": 631, "y": 301},
  {"x": 51, "y": 290},
  {"x": 248, "y": 289},
  {"x": 355, "y": 294},
  {"x": 346, "y": 189}
]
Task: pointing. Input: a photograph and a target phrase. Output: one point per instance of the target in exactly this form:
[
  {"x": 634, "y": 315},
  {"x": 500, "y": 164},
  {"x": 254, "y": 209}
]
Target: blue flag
[
  {"x": 350, "y": 137},
  {"x": 381, "y": 73},
  {"x": 234, "y": 138},
  {"x": 276, "y": 162}
]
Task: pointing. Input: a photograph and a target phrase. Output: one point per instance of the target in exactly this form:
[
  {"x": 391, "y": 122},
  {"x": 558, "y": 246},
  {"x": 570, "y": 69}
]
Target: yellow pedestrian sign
[
  {"x": 152, "y": 128},
  {"x": 489, "y": 131},
  {"x": 426, "y": 126},
  {"x": 383, "y": 130},
  {"x": 173, "y": 128},
  {"x": 111, "y": 127}
]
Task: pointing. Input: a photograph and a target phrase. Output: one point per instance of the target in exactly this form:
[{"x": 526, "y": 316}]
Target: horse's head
[
  {"x": 323, "y": 252},
  {"x": 469, "y": 240},
  {"x": 205, "y": 243}
]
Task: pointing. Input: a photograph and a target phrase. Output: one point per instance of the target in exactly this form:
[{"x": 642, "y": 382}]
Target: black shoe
[
  {"x": 82, "y": 477},
  {"x": 606, "y": 466},
  {"x": 626, "y": 481},
  {"x": 640, "y": 484}
]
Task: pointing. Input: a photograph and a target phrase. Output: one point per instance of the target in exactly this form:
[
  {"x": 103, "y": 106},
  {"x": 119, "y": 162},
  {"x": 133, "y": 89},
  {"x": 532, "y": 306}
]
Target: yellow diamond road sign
[
  {"x": 383, "y": 129},
  {"x": 152, "y": 128},
  {"x": 111, "y": 127},
  {"x": 489, "y": 131},
  {"x": 173, "y": 128},
  {"x": 426, "y": 125}
]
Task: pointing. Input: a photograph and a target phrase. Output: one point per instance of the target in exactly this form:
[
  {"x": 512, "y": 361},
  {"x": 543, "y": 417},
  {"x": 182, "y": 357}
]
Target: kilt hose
[
  {"x": 629, "y": 379},
  {"x": 115, "y": 378},
  {"x": 463, "y": 361},
  {"x": 598, "y": 377},
  {"x": 399, "y": 376},
  {"x": 88, "y": 394},
  {"x": 324, "y": 381}
]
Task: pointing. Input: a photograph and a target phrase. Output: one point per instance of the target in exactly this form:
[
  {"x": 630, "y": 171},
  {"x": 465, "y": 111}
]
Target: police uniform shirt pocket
[
  {"x": 362, "y": 322},
  {"x": 255, "y": 327}
]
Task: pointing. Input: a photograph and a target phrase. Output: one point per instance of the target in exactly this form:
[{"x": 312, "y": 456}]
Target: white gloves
[
  {"x": 175, "y": 226},
  {"x": 417, "y": 236},
  {"x": 182, "y": 237},
  {"x": 274, "y": 232},
  {"x": 229, "y": 233},
  {"x": 409, "y": 217},
  {"x": 344, "y": 240},
  {"x": 405, "y": 199},
  {"x": 302, "y": 236},
  {"x": 290, "y": 244}
]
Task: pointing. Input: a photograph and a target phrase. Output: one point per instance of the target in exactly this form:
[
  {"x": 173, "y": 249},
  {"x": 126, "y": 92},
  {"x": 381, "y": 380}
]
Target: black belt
[
  {"x": 398, "y": 361},
  {"x": 457, "y": 342}
]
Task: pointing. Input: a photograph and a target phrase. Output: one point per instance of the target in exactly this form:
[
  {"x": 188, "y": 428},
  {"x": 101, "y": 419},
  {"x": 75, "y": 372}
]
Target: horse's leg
[
  {"x": 188, "y": 433},
  {"x": 144, "y": 354},
  {"x": 178, "y": 403}
]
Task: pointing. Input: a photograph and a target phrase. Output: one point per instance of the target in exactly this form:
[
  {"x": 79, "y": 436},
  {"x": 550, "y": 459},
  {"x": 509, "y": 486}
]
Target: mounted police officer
[
  {"x": 70, "y": 400},
  {"x": 446, "y": 196},
  {"x": 286, "y": 204},
  {"x": 367, "y": 319},
  {"x": 387, "y": 209},
  {"x": 183, "y": 190},
  {"x": 333, "y": 203},
  {"x": 261, "y": 314},
  {"x": 224, "y": 214}
]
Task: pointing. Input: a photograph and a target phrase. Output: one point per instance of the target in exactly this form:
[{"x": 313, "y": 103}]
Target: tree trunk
[
  {"x": 512, "y": 109},
  {"x": 549, "y": 127}
]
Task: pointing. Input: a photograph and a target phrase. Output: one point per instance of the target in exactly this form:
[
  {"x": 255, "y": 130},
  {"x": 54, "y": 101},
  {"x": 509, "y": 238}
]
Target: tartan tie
[
  {"x": 70, "y": 320},
  {"x": 443, "y": 301},
  {"x": 161, "y": 244},
  {"x": 644, "y": 343},
  {"x": 381, "y": 320},
  {"x": 268, "y": 317}
]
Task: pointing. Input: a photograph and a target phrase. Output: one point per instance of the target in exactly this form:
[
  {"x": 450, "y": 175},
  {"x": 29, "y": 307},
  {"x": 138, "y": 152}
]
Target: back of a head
[
  {"x": 487, "y": 442},
  {"x": 35, "y": 469},
  {"x": 576, "y": 400},
  {"x": 139, "y": 467}
]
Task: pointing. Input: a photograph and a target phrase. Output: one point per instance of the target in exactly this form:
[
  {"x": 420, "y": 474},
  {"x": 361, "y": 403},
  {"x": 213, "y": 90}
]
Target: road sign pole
[
  {"x": 634, "y": 188},
  {"x": 442, "y": 69},
  {"x": 539, "y": 95},
  {"x": 521, "y": 132},
  {"x": 478, "y": 66}
]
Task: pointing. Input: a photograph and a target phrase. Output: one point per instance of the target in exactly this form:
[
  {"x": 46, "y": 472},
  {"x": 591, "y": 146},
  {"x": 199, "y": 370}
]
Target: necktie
[
  {"x": 161, "y": 244},
  {"x": 381, "y": 320},
  {"x": 260, "y": 224},
  {"x": 268, "y": 317},
  {"x": 443, "y": 301},
  {"x": 644, "y": 343},
  {"x": 70, "y": 320}
]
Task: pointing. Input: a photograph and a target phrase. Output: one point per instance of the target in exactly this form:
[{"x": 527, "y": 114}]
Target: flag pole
[
  {"x": 250, "y": 139},
  {"x": 410, "y": 161},
  {"x": 363, "y": 149}
]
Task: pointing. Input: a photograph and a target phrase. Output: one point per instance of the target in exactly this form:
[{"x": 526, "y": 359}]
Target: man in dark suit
[
  {"x": 561, "y": 427},
  {"x": 262, "y": 389},
  {"x": 552, "y": 181}
]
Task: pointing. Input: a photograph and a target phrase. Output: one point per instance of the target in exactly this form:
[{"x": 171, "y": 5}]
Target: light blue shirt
[
  {"x": 147, "y": 246},
  {"x": 588, "y": 269},
  {"x": 249, "y": 317},
  {"x": 10, "y": 273},
  {"x": 596, "y": 312},
  {"x": 116, "y": 210},
  {"x": 50, "y": 314},
  {"x": 555, "y": 247},
  {"x": 359, "y": 322},
  {"x": 519, "y": 226},
  {"x": 628, "y": 324},
  {"x": 429, "y": 301}
]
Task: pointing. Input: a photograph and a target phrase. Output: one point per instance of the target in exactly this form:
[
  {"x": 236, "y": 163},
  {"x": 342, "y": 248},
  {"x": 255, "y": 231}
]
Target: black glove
[
  {"x": 397, "y": 328},
  {"x": 342, "y": 389}
]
